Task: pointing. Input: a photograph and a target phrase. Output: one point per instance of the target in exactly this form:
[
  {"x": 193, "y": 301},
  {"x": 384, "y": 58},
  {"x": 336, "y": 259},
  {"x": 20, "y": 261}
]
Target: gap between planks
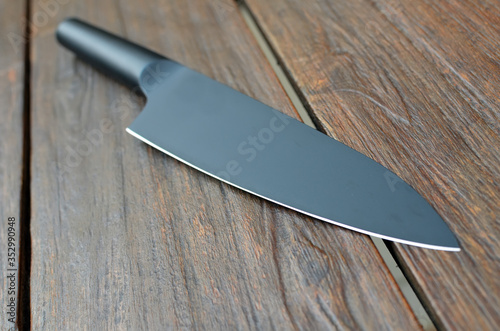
[
  {"x": 390, "y": 261},
  {"x": 23, "y": 321}
]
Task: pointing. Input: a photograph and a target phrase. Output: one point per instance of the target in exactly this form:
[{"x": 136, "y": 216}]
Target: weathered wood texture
[
  {"x": 414, "y": 85},
  {"x": 126, "y": 237},
  {"x": 11, "y": 141}
]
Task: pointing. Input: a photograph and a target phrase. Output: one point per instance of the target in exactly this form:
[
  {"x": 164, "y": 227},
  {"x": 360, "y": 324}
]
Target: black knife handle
[{"x": 115, "y": 56}]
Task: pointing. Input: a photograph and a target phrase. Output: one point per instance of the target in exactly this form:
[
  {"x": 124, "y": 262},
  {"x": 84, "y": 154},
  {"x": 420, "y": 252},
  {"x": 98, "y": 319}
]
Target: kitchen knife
[{"x": 244, "y": 143}]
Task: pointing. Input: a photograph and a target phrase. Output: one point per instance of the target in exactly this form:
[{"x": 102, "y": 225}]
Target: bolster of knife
[{"x": 112, "y": 55}]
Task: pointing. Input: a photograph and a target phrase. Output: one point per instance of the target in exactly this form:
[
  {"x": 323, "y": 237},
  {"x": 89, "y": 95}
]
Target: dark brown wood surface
[
  {"x": 125, "y": 237},
  {"x": 11, "y": 144},
  {"x": 415, "y": 85}
]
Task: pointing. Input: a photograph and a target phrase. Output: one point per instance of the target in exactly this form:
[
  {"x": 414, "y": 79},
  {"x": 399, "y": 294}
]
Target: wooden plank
[
  {"x": 414, "y": 85},
  {"x": 126, "y": 237},
  {"x": 11, "y": 154}
]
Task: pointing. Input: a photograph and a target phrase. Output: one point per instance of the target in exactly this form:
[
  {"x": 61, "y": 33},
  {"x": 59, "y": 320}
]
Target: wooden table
[{"x": 112, "y": 234}]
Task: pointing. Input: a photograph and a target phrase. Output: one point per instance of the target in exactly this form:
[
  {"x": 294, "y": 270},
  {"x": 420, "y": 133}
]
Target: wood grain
[
  {"x": 125, "y": 237},
  {"x": 415, "y": 85},
  {"x": 11, "y": 144}
]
